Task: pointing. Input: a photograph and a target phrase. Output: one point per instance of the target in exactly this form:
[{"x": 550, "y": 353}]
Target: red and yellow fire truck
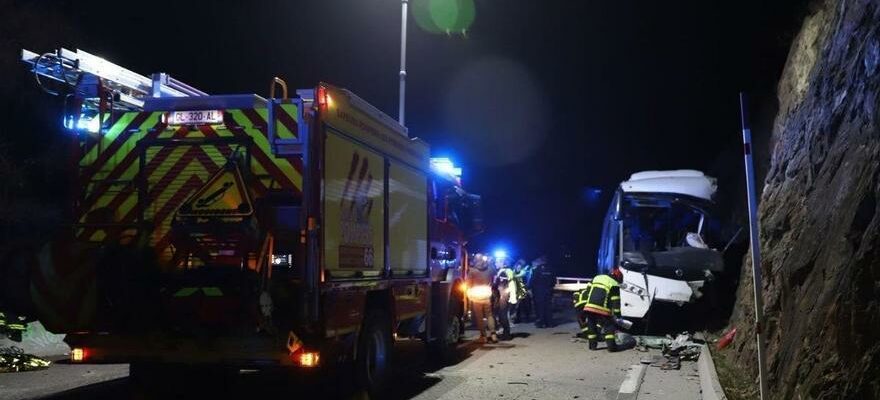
[{"x": 302, "y": 230}]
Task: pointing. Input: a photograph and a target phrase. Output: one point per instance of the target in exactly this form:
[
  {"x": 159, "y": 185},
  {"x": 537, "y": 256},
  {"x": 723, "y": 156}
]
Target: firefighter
[
  {"x": 602, "y": 308},
  {"x": 579, "y": 300},
  {"x": 523, "y": 278},
  {"x": 543, "y": 280},
  {"x": 12, "y": 327},
  {"x": 479, "y": 283},
  {"x": 506, "y": 287}
]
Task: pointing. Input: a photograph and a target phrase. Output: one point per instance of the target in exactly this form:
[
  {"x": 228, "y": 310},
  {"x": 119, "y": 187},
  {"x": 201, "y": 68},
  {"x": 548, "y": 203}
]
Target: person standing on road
[
  {"x": 479, "y": 283},
  {"x": 523, "y": 277},
  {"x": 543, "y": 281},
  {"x": 504, "y": 281},
  {"x": 602, "y": 308}
]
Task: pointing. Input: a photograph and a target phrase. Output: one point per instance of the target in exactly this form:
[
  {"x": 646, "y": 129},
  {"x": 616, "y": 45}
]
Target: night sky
[{"x": 547, "y": 105}]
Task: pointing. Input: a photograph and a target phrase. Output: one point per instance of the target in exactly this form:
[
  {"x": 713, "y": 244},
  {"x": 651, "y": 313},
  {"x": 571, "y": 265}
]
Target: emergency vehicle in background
[
  {"x": 661, "y": 232},
  {"x": 304, "y": 230}
]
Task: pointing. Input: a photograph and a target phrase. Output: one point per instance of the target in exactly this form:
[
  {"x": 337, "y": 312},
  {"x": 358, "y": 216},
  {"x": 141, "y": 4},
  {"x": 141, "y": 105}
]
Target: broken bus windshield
[{"x": 655, "y": 224}]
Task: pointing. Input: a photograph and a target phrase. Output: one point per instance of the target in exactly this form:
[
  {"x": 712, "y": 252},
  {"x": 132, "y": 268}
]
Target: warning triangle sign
[{"x": 224, "y": 195}]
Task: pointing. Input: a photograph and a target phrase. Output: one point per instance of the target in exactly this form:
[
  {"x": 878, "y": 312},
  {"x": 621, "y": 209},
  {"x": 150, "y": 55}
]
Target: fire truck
[{"x": 303, "y": 230}]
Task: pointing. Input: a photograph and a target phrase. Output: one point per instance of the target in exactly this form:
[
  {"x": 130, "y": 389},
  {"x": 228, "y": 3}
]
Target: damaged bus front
[{"x": 660, "y": 232}]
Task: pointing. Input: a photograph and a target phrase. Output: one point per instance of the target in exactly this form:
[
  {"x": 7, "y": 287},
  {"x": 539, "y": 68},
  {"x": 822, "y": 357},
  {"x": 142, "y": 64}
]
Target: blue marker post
[{"x": 755, "y": 244}]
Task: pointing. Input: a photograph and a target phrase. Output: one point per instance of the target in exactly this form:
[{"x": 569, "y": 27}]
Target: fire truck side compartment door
[{"x": 354, "y": 211}]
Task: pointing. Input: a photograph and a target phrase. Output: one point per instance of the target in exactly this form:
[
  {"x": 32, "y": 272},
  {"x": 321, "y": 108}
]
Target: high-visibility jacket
[
  {"x": 13, "y": 324},
  {"x": 579, "y": 298},
  {"x": 602, "y": 296},
  {"x": 505, "y": 274},
  {"x": 508, "y": 285}
]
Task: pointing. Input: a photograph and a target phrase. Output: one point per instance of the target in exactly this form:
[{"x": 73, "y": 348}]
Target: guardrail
[{"x": 570, "y": 284}]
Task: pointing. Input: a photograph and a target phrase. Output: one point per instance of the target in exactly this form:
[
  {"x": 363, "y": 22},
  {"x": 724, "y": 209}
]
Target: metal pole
[
  {"x": 755, "y": 244},
  {"x": 400, "y": 113}
]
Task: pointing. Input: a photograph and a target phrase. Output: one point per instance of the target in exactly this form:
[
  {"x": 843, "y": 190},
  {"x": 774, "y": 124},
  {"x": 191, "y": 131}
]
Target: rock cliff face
[{"x": 819, "y": 216}]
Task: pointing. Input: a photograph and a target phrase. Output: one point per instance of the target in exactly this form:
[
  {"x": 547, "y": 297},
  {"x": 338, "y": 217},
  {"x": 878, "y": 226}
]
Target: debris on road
[
  {"x": 625, "y": 341},
  {"x": 672, "y": 362},
  {"x": 652, "y": 359},
  {"x": 683, "y": 347},
  {"x": 643, "y": 343},
  {"x": 14, "y": 359}
]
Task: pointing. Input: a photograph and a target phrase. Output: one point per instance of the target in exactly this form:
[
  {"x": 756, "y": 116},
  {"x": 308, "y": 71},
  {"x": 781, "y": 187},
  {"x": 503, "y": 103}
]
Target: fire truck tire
[
  {"x": 373, "y": 362},
  {"x": 444, "y": 348}
]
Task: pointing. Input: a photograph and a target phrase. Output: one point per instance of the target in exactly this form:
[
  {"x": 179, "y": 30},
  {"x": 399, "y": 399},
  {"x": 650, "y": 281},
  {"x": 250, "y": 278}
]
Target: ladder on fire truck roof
[{"x": 129, "y": 89}]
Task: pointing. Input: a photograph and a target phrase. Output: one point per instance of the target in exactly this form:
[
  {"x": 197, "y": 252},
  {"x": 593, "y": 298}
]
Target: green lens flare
[
  {"x": 466, "y": 14},
  {"x": 444, "y": 16},
  {"x": 444, "y": 13},
  {"x": 422, "y": 13}
]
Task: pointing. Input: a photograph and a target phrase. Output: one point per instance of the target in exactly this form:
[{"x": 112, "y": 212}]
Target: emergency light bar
[{"x": 445, "y": 165}]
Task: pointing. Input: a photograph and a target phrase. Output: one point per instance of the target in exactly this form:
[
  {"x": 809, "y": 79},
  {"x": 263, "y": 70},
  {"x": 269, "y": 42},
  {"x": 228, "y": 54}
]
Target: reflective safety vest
[
  {"x": 580, "y": 298},
  {"x": 15, "y": 324},
  {"x": 508, "y": 280},
  {"x": 603, "y": 296},
  {"x": 506, "y": 274}
]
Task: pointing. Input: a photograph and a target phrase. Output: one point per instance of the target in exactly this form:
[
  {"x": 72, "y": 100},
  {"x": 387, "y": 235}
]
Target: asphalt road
[{"x": 536, "y": 364}]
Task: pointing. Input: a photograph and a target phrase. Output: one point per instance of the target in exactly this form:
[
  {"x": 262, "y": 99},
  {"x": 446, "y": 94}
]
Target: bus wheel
[{"x": 373, "y": 362}]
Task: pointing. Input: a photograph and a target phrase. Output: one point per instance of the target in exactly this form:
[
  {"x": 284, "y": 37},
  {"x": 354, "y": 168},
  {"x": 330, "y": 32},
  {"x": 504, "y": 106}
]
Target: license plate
[{"x": 195, "y": 117}]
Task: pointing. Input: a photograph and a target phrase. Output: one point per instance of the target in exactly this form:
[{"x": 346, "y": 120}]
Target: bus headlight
[{"x": 634, "y": 289}]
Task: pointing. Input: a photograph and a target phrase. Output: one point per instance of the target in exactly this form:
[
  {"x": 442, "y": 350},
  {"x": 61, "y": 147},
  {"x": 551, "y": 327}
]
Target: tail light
[
  {"x": 308, "y": 359},
  {"x": 323, "y": 98},
  {"x": 78, "y": 354}
]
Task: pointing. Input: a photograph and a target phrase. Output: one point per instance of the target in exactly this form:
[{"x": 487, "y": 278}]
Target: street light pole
[{"x": 400, "y": 114}]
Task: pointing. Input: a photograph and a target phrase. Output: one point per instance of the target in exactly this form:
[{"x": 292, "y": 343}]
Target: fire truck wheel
[
  {"x": 443, "y": 349},
  {"x": 453, "y": 331},
  {"x": 373, "y": 363}
]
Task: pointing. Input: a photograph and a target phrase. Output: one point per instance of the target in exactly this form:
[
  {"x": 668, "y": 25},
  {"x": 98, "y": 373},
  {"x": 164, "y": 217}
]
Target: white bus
[{"x": 659, "y": 231}]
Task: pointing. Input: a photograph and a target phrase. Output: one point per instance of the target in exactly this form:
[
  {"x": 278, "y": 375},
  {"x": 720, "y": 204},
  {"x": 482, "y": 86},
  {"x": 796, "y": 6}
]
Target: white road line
[{"x": 629, "y": 389}]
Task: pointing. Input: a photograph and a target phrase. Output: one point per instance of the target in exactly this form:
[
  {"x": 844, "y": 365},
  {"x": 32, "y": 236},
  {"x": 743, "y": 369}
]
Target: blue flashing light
[
  {"x": 83, "y": 124},
  {"x": 500, "y": 254},
  {"x": 446, "y": 166}
]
